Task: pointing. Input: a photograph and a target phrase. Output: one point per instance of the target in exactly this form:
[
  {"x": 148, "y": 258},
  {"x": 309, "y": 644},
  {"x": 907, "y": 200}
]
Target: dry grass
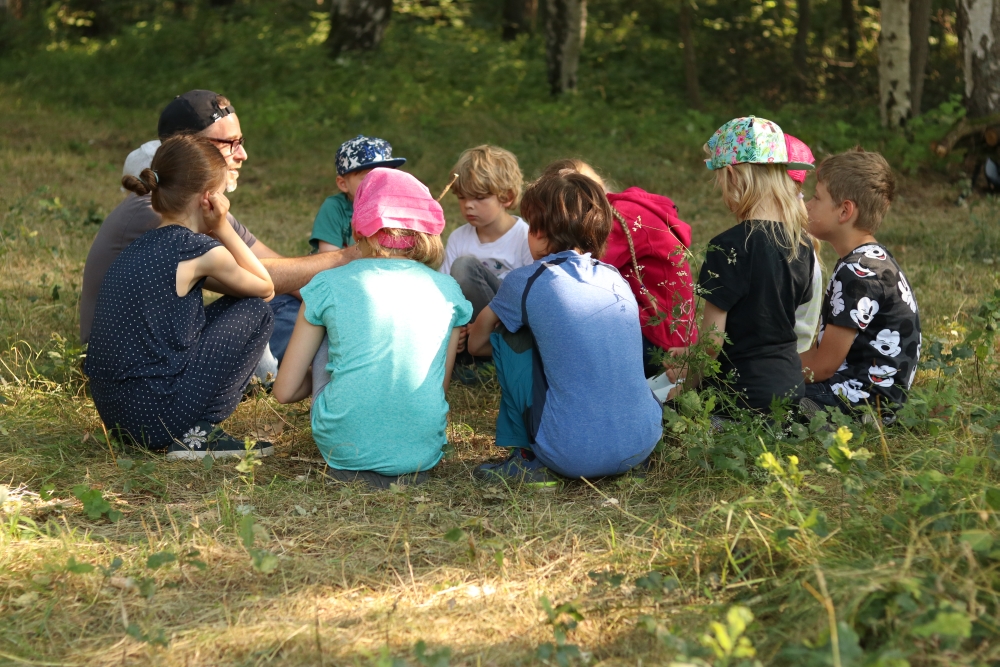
[{"x": 360, "y": 571}]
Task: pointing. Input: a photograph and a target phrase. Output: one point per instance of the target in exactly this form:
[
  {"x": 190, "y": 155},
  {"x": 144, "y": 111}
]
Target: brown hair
[
  {"x": 864, "y": 178},
  {"x": 426, "y": 249},
  {"x": 184, "y": 166},
  {"x": 488, "y": 170},
  {"x": 579, "y": 166},
  {"x": 570, "y": 210}
]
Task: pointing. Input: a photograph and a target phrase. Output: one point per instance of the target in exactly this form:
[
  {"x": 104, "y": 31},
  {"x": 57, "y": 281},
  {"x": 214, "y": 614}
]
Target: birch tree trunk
[
  {"x": 565, "y": 30},
  {"x": 690, "y": 58},
  {"x": 357, "y": 25},
  {"x": 920, "y": 30},
  {"x": 979, "y": 30},
  {"x": 894, "y": 63}
]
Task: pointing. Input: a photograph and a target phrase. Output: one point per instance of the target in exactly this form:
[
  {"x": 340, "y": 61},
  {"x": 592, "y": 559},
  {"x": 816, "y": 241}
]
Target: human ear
[
  {"x": 847, "y": 210},
  {"x": 342, "y": 184},
  {"x": 508, "y": 200}
]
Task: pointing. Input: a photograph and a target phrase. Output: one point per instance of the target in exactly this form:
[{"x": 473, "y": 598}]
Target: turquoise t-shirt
[
  {"x": 388, "y": 322},
  {"x": 333, "y": 222}
]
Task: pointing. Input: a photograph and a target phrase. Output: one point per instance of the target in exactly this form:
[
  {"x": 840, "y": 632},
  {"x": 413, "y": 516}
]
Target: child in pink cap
[
  {"x": 807, "y": 314},
  {"x": 392, "y": 327}
]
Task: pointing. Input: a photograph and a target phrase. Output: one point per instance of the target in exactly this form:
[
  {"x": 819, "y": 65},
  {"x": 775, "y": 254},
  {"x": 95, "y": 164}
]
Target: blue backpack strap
[{"x": 539, "y": 384}]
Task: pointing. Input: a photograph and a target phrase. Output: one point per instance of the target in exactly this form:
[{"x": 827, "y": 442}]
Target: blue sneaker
[{"x": 518, "y": 469}]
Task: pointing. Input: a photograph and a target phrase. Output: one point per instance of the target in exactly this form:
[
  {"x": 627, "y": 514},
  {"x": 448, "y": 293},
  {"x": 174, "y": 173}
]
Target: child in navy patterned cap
[{"x": 355, "y": 158}]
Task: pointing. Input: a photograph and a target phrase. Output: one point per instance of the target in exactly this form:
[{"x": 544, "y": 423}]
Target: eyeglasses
[{"x": 234, "y": 144}]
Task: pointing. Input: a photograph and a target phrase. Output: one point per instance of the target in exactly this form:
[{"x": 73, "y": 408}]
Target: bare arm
[
  {"x": 821, "y": 362},
  {"x": 290, "y": 274},
  {"x": 449, "y": 361},
  {"x": 232, "y": 270},
  {"x": 713, "y": 325},
  {"x": 294, "y": 381},
  {"x": 479, "y": 333}
]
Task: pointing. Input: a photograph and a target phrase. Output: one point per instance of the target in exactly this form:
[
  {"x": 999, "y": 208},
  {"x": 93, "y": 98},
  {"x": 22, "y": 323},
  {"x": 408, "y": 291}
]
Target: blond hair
[
  {"x": 426, "y": 249},
  {"x": 488, "y": 170},
  {"x": 864, "y": 178},
  {"x": 753, "y": 187}
]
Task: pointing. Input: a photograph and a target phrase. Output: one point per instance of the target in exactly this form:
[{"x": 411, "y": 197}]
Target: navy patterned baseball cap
[{"x": 363, "y": 152}]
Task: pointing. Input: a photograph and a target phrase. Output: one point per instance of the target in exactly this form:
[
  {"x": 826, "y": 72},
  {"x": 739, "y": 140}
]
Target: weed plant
[{"x": 829, "y": 543}]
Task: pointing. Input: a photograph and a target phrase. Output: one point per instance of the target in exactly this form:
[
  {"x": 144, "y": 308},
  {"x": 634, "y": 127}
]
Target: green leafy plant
[
  {"x": 94, "y": 504},
  {"x": 563, "y": 619}
]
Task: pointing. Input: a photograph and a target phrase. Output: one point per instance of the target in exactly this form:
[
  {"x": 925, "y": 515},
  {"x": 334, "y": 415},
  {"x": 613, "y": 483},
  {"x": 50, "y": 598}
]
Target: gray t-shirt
[{"x": 130, "y": 220}]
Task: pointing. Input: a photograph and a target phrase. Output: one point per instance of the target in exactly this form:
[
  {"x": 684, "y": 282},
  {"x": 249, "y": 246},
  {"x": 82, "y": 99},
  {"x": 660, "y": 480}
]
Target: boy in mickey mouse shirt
[{"x": 869, "y": 338}]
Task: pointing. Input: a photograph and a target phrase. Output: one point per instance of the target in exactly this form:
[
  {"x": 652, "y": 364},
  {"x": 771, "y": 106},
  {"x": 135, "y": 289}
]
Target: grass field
[{"x": 896, "y": 555}]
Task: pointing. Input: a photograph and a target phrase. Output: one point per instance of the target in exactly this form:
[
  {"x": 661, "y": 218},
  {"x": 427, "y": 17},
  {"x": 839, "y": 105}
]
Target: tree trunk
[
  {"x": 690, "y": 59},
  {"x": 357, "y": 25},
  {"x": 978, "y": 30},
  {"x": 565, "y": 30},
  {"x": 894, "y": 63},
  {"x": 851, "y": 26},
  {"x": 518, "y": 16},
  {"x": 801, "y": 43},
  {"x": 920, "y": 30}
]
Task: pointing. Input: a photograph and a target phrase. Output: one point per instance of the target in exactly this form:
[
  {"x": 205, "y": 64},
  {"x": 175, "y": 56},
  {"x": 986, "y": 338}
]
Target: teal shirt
[
  {"x": 388, "y": 322},
  {"x": 333, "y": 222}
]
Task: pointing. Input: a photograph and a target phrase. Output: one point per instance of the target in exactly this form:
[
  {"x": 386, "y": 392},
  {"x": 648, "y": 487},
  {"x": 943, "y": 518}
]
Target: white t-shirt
[
  {"x": 807, "y": 315},
  {"x": 500, "y": 257}
]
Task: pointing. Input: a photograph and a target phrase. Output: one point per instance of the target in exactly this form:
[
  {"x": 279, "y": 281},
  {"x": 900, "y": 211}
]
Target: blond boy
[{"x": 481, "y": 253}]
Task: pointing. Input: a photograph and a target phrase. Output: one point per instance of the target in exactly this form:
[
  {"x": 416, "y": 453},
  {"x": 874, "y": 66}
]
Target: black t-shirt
[
  {"x": 868, "y": 293},
  {"x": 747, "y": 273}
]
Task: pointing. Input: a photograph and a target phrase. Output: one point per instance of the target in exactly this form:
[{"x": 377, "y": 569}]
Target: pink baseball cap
[
  {"x": 798, "y": 152},
  {"x": 389, "y": 198}
]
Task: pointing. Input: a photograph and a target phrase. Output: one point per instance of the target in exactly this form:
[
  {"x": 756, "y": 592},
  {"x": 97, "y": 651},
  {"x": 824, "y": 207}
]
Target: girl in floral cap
[
  {"x": 391, "y": 324},
  {"x": 757, "y": 272}
]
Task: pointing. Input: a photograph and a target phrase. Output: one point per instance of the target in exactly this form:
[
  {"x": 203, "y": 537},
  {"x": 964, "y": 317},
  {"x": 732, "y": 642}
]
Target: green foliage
[
  {"x": 563, "y": 619},
  {"x": 94, "y": 504},
  {"x": 439, "y": 658}
]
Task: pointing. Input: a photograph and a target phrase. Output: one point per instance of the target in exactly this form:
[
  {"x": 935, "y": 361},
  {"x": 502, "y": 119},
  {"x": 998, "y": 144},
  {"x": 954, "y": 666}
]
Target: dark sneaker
[
  {"x": 203, "y": 439},
  {"x": 374, "y": 479},
  {"x": 467, "y": 374},
  {"x": 518, "y": 469}
]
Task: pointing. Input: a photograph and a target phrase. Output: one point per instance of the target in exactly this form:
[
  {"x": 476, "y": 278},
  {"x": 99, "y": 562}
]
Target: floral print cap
[
  {"x": 363, "y": 152},
  {"x": 749, "y": 140}
]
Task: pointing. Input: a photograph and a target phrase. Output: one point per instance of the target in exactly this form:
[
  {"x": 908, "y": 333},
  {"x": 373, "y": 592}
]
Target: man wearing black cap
[{"x": 212, "y": 116}]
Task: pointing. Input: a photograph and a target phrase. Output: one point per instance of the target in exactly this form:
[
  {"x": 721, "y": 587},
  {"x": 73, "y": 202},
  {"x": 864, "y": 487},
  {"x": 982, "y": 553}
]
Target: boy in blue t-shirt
[
  {"x": 355, "y": 158},
  {"x": 565, "y": 337}
]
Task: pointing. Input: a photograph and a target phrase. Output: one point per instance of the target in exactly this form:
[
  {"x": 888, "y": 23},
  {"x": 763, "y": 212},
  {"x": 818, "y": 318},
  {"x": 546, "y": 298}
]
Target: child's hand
[
  {"x": 676, "y": 365},
  {"x": 214, "y": 207},
  {"x": 463, "y": 337}
]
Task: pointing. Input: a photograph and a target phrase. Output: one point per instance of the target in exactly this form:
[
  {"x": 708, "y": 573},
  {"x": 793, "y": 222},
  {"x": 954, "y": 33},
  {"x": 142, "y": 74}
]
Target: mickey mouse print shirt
[{"x": 868, "y": 293}]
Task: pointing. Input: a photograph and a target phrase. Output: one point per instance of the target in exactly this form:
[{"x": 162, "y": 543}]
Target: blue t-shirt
[
  {"x": 600, "y": 417},
  {"x": 333, "y": 222},
  {"x": 389, "y": 322}
]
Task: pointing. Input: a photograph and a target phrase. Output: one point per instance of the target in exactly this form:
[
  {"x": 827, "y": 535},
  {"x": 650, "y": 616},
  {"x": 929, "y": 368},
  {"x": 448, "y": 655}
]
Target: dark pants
[
  {"x": 285, "y": 309},
  {"x": 155, "y": 411},
  {"x": 823, "y": 395}
]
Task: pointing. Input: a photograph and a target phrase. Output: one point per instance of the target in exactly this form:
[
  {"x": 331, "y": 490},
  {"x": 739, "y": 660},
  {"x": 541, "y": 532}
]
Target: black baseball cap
[{"x": 191, "y": 112}]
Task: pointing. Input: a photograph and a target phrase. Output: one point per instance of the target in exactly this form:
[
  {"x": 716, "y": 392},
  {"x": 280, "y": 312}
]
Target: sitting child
[
  {"x": 481, "y": 253},
  {"x": 355, "y": 158},
  {"x": 757, "y": 272},
  {"x": 807, "y": 314},
  {"x": 568, "y": 351},
  {"x": 647, "y": 245},
  {"x": 869, "y": 339},
  {"x": 392, "y": 325},
  {"x": 164, "y": 370}
]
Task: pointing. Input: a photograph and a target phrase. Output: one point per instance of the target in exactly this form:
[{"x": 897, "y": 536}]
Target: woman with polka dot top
[{"x": 165, "y": 370}]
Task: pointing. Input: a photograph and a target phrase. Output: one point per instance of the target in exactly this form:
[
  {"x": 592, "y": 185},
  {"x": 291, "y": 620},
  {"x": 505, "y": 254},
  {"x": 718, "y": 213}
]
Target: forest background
[{"x": 851, "y": 546}]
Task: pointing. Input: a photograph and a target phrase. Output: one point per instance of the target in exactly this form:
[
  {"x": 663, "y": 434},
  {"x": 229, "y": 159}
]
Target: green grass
[{"x": 907, "y": 560}]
